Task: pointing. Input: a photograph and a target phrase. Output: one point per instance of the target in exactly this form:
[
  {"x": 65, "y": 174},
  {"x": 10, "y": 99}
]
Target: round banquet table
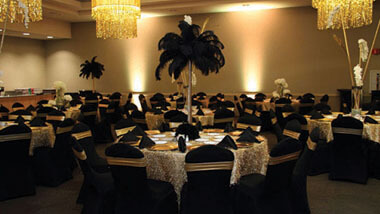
[
  {"x": 370, "y": 131},
  {"x": 169, "y": 166},
  {"x": 154, "y": 121},
  {"x": 41, "y": 136}
]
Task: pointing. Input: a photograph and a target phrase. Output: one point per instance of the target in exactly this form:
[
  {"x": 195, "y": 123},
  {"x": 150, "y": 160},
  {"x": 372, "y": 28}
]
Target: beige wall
[
  {"x": 259, "y": 47},
  {"x": 22, "y": 63}
]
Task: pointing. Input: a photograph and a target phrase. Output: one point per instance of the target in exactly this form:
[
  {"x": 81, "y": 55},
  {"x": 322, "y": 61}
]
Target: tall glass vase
[{"x": 357, "y": 100}]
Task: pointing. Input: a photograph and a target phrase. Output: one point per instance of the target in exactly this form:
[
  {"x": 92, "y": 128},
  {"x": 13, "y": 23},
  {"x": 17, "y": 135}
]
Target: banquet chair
[
  {"x": 270, "y": 193},
  {"x": 279, "y": 104},
  {"x": 42, "y": 112},
  {"x": 31, "y": 109},
  {"x": 306, "y": 103},
  {"x": 299, "y": 199},
  {"x": 129, "y": 107},
  {"x": 4, "y": 113},
  {"x": 103, "y": 106},
  {"x": 275, "y": 126},
  {"x": 23, "y": 113},
  {"x": 349, "y": 152},
  {"x": 103, "y": 128},
  {"x": 53, "y": 166},
  {"x": 17, "y": 106},
  {"x": 42, "y": 102},
  {"x": 82, "y": 133},
  {"x": 113, "y": 115},
  {"x": 116, "y": 97},
  {"x": 134, "y": 192},
  {"x": 304, "y": 128},
  {"x": 91, "y": 99},
  {"x": 124, "y": 126},
  {"x": 16, "y": 178},
  {"x": 207, "y": 189},
  {"x": 89, "y": 114},
  {"x": 75, "y": 102},
  {"x": 55, "y": 117},
  {"x": 180, "y": 103},
  {"x": 222, "y": 117},
  {"x": 143, "y": 103},
  {"x": 249, "y": 121},
  {"x": 97, "y": 191},
  {"x": 139, "y": 118},
  {"x": 260, "y": 97}
]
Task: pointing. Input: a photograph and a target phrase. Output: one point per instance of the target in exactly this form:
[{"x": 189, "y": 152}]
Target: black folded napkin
[
  {"x": 182, "y": 144},
  {"x": 248, "y": 137},
  {"x": 250, "y": 131},
  {"x": 138, "y": 131},
  {"x": 146, "y": 142},
  {"x": 370, "y": 120},
  {"x": 164, "y": 107},
  {"x": 187, "y": 130},
  {"x": 164, "y": 127},
  {"x": 200, "y": 112},
  {"x": 20, "y": 120},
  {"x": 228, "y": 128},
  {"x": 371, "y": 111},
  {"x": 30, "y": 108},
  {"x": 199, "y": 126},
  {"x": 316, "y": 115},
  {"x": 227, "y": 142},
  {"x": 37, "y": 122},
  {"x": 129, "y": 137}
]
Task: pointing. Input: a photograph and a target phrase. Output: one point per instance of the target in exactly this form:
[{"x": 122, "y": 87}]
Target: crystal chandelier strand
[
  {"x": 356, "y": 13},
  {"x": 116, "y": 18},
  {"x": 17, "y": 12}
]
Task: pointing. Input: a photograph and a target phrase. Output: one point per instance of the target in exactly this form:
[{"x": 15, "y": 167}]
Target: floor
[{"x": 325, "y": 196}]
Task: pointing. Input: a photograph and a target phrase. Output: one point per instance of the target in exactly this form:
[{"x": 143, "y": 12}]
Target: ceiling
[
  {"x": 59, "y": 14},
  {"x": 80, "y": 10}
]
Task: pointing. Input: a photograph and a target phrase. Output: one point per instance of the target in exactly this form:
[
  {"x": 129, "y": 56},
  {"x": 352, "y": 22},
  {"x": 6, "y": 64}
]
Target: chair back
[
  {"x": 349, "y": 151},
  {"x": 304, "y": 128},
  {"x": 124, "y": 126},
  {"x": 89, "y": 112},
  {"x": 282, "y": 160},
  {"x": 208, "y": 171},
  {"x": 91, "y": 100},
  {"x": 55, "y": 117},
  {"x": 103, "y": 106},
  {"x": 4, "y": 113},
  {"x": 81, "y": 156},
  {"x": 82, "y": 133},
  {"x": 61, "y": 151},
  {"x": 15, "y": 165},
  {"x": 23, "y": 113},
  {"x": 42, "y": 112},
  {"x": 222, "y": 117},
  {"x": 143, "y": 103}
]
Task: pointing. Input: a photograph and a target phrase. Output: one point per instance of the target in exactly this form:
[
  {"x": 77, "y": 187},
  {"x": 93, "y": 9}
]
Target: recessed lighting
[
  {"x": 26, "y": 34},
  {"x": 50, "y": 37}
]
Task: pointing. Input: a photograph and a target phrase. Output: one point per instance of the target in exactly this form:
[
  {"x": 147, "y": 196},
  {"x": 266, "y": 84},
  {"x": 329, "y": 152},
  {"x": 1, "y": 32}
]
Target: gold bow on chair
[
  {"x": 134, "y": 162},
  {"x": 208, "y": 166},
  {"x": 284, "y": 158}
]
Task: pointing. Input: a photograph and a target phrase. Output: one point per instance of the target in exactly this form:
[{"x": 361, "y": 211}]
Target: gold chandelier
[
  {"x": 355, "y": 13},
  {"x": 21, "y": 11},
  {"x": 116, "y": 18}
]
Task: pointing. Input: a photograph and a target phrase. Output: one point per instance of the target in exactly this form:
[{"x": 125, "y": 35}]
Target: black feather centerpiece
[
  {"x": 93, "y": 69},
  {"x": 202, "y": 49},
  {"x": 188, "y": 130}
]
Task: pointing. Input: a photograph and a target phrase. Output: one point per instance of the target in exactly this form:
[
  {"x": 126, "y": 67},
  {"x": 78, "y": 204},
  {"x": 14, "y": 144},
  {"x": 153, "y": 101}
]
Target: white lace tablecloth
[
  {"x": 72, "y": 113},
  {"x": 370, "y": 131},
  {"x": 169, "y": 166}
]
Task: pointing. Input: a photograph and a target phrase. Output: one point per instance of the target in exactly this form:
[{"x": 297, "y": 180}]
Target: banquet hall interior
[{"x": 190, "y": 106}]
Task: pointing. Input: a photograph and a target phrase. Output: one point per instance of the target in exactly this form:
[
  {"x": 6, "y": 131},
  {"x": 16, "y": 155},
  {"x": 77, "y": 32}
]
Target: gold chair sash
[
  {"x": 248, "y": 111},
  {"x": 124, "y": 130},
  {"x": 134, "y": 162},
  {"x": 103, "y": 105},
  {"x": 306, "y": 104},
  {"x": 258, "y": 114},
  {"x": 305, "y": 127},
  {"x": 284, "y": 158},
  {"x": 89, "y": 113},
  {"x": 61, "y": 130},
  {"x": 56, "y": 118},
  {"x": 14, "y": 137},
  {"x": 174, "y": 125},
  {"x": 224, "y": 120},
  {"x": 47, "y": 105},
  {"x": 311, "y": 145},
  {"x": 274, "y": 120},
  {"x": 41, "y": 114},
  {"x": 339, "y": 130},
  {"x": 115, "y": 100},
  {"x": 90, "y": 101},
  {"x": 209, "y": 166},
  {"x": 141, "y": 121},
  {"x": 80, "y": 155},
  {"x": 231, "y": 108},
  {"x": 291, "y": 134},
  {"x": 14, "y": 117},
  {"x": 18, "y": 108},
  {"x": 244, "y": 126},
  {"x": 279, "y": 105},
  {"x": 110, "y": 111},
  {"x": 82, "y": 135},
  {"x": 4, "y": 114}
]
